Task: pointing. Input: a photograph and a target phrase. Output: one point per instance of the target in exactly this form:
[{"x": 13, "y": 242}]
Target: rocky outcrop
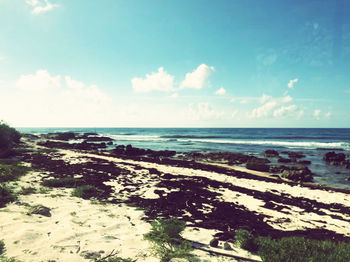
[
  {"x": 39, "y": 210},
  {"x": 298, "y": 174},
  {"x": 131, "y": 151},
  {"x": 271, "y": 153},
  {"x": 258, "y": 164},
  {"x": 336, "y": 159}
]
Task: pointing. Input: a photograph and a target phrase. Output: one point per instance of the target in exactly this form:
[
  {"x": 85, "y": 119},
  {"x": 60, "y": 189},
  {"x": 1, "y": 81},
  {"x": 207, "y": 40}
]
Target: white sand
[{"x": 78, "y": 225}]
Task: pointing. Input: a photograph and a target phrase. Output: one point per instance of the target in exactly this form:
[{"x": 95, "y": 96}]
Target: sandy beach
[{"x": 213, "y": 202}]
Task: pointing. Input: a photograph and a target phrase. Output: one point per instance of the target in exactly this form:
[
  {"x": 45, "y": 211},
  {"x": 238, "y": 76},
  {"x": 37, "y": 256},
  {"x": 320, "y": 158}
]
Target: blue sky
[{"x": 162, "y": 63}]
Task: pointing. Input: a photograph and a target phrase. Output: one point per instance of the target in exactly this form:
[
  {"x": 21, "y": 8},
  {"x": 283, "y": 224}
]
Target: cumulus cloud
[
  {"x": 264, "y": 98},
  {"x": 232, "y": 100},
  {"x": 264, "y": 110},
  {"x": 292, "y": 82},
  {"x": 317, "y": 114},
  {"x": 175, "y": 95},
  {"x": 40, "y": 6},
  {"x": 287, "y": 99},
  {"x": 41, "y": 80},
  {"x": 203, "y": 111},
  {"x": 43, "y": 99},
  {"x": 197, "y": 79},
  {"x": 221, "y": 91},
  {"x": 156, "y": 81},
  {"x": 234, "y": 113},
  {"x": 285, "y": 111},
  {"x": 2, "y": 58},
  {"x": 328, "y": 114}
]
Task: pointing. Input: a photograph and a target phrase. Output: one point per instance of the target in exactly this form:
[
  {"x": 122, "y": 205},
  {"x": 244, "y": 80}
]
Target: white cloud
[
  {"x": 74, "y": 84},
  {"x": 2, "y": 58},
  {"x": 285, "y": 111},
  {"x": 264, "y": 98},
  {"x": 317, "y": 114},
  {"x": 203, "y": 111},
  {"x": 234, "y": 113},
  {"x": 41, "y": 6},
  {"x": 328, "y": 114},
  {"x": 41, "y": 80},
  {"x": 292, "y": 82},
  {"x": 264, "y": 110},
  {"x": 243, "y": 101},
  {"x": 287, "y": 99},
  {"x": 221, "y": 91},
  {"x": 175, "y": 95},
  {"x": 232, "y": 100},
  {"x": 197, "y": 79},
  {"x": 41, "y": 99},
  {"x": 159, "y": 81}
]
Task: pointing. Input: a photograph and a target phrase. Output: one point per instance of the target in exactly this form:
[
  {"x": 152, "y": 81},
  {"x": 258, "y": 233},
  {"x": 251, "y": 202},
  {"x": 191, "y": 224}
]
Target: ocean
[{"x": 313, "y": 142}]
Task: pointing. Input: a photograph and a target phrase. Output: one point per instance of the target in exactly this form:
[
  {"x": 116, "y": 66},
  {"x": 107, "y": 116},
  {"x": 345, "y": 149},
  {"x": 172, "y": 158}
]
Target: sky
[{"x": 183, "y": 63}]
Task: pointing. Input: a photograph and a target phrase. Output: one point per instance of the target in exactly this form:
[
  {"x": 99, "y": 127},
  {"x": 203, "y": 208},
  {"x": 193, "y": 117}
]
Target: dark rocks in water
[
  {"x": 294, "y": 155},
  {"x": 40, "y": 210},
  {"x": 232, "y": 158},
  {"x": 284, "y": 160},
  {"x": 332, "y": 157},
  {"x": 65, "y": 136},
  {"x": 131, "y": 151},
  {"x": 82, "y": 146},
  {"x": 271, "y": 153},
  {"x": 298, "y": 174},
  {"x": 258, "y": 164},
  {"x": 304, "y": 162},
  {"x": 337, "y": 159}
]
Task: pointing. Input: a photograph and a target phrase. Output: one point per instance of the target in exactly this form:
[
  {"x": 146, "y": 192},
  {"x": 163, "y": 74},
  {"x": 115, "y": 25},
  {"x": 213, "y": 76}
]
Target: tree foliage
[{"x": 8, "y": 138}]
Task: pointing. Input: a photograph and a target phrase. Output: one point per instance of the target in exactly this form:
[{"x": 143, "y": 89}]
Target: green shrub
[
  {"x": 11, "y": 172},
  {"x": 2, "y": 247},
  {"x": 62, "y": 182},
  {"x": 166, "y": 240},
  {"x": 299, "y": 249},
  {"x": 244, "y": 239},
  {"x": 6, "y": 195},
  {"x": 8, "y": 138},
  {"x": 86, "y": 192}
]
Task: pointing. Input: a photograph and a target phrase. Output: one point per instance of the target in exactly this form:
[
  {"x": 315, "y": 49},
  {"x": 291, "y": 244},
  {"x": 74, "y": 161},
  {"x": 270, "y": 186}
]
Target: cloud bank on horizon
[{"x": 82, "y": 65}]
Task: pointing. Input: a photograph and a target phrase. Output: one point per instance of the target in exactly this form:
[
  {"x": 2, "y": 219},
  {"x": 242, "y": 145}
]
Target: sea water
[{"x": 313, "y": 142}]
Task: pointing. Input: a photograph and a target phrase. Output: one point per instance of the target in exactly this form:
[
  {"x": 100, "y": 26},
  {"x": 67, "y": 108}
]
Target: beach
[{"x": 214, "y": 199}]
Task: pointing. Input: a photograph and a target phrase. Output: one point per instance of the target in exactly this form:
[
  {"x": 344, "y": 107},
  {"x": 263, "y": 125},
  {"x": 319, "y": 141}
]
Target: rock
[
  {"x": 214, "y": 242},
  {"x": 227, "y": 246},
  {"x": 298, "y": 174},
  {"x": 40, "y": 210},
  {"x": 258, "y": 164},
  {"x": 284, "y": 160},
  {"x": 304, "y": 162},
  {"x": 271, "y": 153},
  {"x": 334, "y": 158},
  {"x": 90, "y": 254},
  {"x": 294, "y": 155}
]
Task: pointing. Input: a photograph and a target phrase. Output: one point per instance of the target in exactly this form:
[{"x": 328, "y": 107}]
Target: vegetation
[
  {"x": 119, "y": 259},
  {"x": 244, "y": 239},
  {"x": 11, "y": 170},
  {"x": 299, "y": 249},
  {"x": 6, "y": 195},
  {"x": 27, "y": 190},
  {"x": 166, "y": 240},
  {"x": 8, "y": 138},
  {"x": 86, "y": 192},
  {"x": 62, "y": 182},
  {"x": 3, "y": 258},
  {"x": 293, "y": 249}
]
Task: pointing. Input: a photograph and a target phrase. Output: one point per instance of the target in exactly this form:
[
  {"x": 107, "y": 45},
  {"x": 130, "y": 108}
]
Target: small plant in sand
[
  {"x": 11, "y": 170},
  {"x": 2, "y": 247},
  {"x": 62, "y": 182},
  {"x": 244, "y": 239},
  {"x": 3, "y": 258},
  {"x": 166, "y": 240},
  {"x": 27, "y": 190},
  {"x": 6, "y": 195},
  {"x": 86, "y": 192}
]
